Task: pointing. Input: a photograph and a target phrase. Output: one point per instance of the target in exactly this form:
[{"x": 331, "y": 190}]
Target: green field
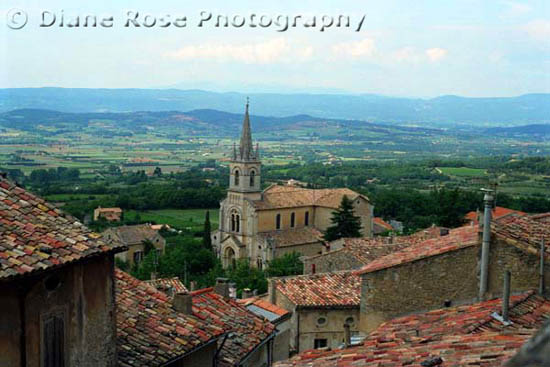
[
  {"x": 190, "y": 219},
  {"x": 463, "y": 171}
]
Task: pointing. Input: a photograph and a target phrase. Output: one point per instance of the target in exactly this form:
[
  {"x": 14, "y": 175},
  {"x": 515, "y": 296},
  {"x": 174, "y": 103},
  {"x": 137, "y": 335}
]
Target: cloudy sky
[{"x": 404, "y": 48}]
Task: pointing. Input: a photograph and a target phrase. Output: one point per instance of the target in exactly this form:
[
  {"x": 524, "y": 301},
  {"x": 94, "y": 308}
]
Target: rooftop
[
  {"x": 337, "y": 289},
  {"x": 278, "y": 196},
  {"x": 130, "y": 235},
  {"x": 380, "y": 222},
  {"x": 460, "y": 336},
  {"x": 456, "y": 239},
  {"x": 295, "y": 236},
  {"x": 496, "y": 213},
  {"x": 246, "y": 329},
  {"x": 163, "y": 284},
  {"x": 523, "y": 232},
  {"x": 36, "y": 236},
  {"x": 149, "y": 331},
  {"x": 265, "y": 309}
]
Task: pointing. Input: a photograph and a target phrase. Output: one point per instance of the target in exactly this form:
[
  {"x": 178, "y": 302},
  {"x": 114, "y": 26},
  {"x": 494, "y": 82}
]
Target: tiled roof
[
  {"x": 278, "y": 196},
  {"x": 293, "y": 237},
  {"x": 131, "y": 235},
  {"x": 337, "y": 289},
  {"x": 247, "y": 330},
  {"x": 496, "y": 213},
  {"x": 542, "y": 217},
  {"x": 149, "y": 331},
  {"x": 380, "y": 222},
  {"x": 523, "y": 232},
  {"x": 109, "y": 210},
  {"x": 255, "y": 304},
  {"x": 456, "y": 239},
  {"x": 460, "y": 336},
  {"x": 164, "y": 284},
  {"x": 34, "y": 235}
]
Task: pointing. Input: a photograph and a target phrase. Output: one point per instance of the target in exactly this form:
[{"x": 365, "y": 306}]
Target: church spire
[{"x": 246, "y": 149}]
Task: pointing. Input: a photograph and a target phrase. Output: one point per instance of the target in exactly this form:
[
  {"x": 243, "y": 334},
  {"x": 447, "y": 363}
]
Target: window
[
  {"x": 235, "y": 221},
  {"x": 252, "y": 178},
  {"x": 350, "y": 320},
  {"x": 53, "y": 341},
  {"x": 278, "y": 221},
  {"x": 292, "y": 220},
  {"x": 306, "y": 219},
  {"x": 320, "y": 343},
  {"x": 312, "y": 268},
  {"x": 259, "y": 263},
  {"x": 321, "y": 321},
  {"x": 138, "y": 256},
  {"x": 236, "y": 177}
]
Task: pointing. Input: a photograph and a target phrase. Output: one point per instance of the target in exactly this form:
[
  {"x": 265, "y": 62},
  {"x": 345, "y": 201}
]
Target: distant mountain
[
  {"x": 533, "y": 130},
  {"x": 440, "y": 111}
]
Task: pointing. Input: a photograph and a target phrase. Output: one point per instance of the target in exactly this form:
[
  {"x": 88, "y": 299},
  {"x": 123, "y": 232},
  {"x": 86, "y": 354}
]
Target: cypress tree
[
  {"x": 344, "y": 222},
  {"x": 206, "y": 240}
]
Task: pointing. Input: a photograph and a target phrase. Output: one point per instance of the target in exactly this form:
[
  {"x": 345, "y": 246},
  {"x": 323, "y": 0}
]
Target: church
[{"x": 262, "y": 225}]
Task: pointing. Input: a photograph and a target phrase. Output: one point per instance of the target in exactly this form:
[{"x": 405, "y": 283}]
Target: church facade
[{"x": 260, "y": 225}]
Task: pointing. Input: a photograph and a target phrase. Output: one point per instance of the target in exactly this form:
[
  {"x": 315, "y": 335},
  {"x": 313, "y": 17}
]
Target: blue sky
[{"x": 405, "y": 48}]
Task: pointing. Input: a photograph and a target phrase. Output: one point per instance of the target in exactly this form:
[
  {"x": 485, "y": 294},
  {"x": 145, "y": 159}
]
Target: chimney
[
  {"x": 488, "y": 199},
  {"x": 153, "y": 275},
  {"x": 232, "y": 290},
  {"x": 506, "y": 296},
  {"x": 347, "y": 336},
  {"x": 222, "y": 287},
  {"x": 183, "y": 303},
  {"x": 272, "y": 289},
  {"x": 247, "y": 293},
  {"x": 192, "y": 286}
]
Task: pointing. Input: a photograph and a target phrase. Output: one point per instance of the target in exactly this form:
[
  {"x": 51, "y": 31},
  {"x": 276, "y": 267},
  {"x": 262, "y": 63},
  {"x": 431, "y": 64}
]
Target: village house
[
  {"x": 379, "y": 226},
  {"x": 170, "y": 286},
  {"x": 155, "y": 330},
  {"x": 262, "y": 225},
  {"x": 134, "y": 238},
  {"x": 321, "y": 304},
  {"x": 279, "y": 317},
  {"x": 57, "y": 304},
  {"x": 496, "y": 213},
  {"x": 109, "y": 214},
  {"x": 451, "y": 269},
  {"x": 467, "y": 335}
]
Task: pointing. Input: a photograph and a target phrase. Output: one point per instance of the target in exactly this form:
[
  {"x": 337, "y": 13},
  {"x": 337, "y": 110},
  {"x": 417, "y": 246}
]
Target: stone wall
[
  {"x": 309, "y": 249},
  {"x": 84, "y": 297},
  {"x": 331, "y": 261}
]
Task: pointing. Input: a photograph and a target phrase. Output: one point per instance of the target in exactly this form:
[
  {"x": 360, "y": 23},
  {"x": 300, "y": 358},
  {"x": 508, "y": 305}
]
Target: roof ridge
[{"x": 202, "y": 291}]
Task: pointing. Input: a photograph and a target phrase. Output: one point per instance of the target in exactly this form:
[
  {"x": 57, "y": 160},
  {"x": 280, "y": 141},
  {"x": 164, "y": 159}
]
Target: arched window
[
  {"x": 292, "y": 220},
  {"x": 252, "y": 178},
  {"x": 235, "y": 221},
  {"x": 230, "y": 257},
  {"x": 236, "y": 177},
  {"x": 306, "y": 219},
  {"x": 238, "y": 223},
  {"x": 278, "y": 221},
  {"x": 259, "y": 263}
]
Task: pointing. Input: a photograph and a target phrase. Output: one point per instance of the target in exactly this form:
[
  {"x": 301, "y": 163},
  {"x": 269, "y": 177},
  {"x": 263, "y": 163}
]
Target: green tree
[
  {"x": 206, "y": 239},
  {"x": 245, "y": 276},
  {"x": 344, "y": 222},
  {"x": 288, "y": 264}
]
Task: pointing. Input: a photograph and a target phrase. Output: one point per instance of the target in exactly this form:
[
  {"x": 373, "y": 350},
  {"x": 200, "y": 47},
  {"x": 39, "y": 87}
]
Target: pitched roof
[
  {"x": 292, "y": 237},
  {"x": 541, "y": 217},
  {"x": 150, "y": 332},
  {"x": 380, "y": 222},
  {"x": 337, "y": 289},
  {"x": 496, "y": 213},
  {"x": 279, "y": 196},
  {"x": 108, "y": 210},
  {"x": 35, "y": 236},
  {"x": 265, "y": 309},
  {"x": 130, "y": 235},
  {"x": 456, "y": 239},
  {"x": 463, "y": 335},
  {"x": 523, "y": 232},
  {"x": 164, "y": 284},
  {"x": 247, "y": 330}
]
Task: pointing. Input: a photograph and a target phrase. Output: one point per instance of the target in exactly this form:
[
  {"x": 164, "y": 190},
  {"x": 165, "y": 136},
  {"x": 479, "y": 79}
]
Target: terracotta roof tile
[
  {"x": 523, "y": 232},
  {"x": 34, "y": 235},
  {"x": 174, "y": 285},
  {"x": 131, "y": 235},
  {"x": 278, "y": 196},
  {"x": 149, "y": 331},
  {"x": 258, "y": 302},
  {"x": 292, "y": 237},
  {"x": 380, "y": 222},
  {"x": 496, "y": 213},
  {"x": 460, "y": 336},
  {"x": 456, "y": 239},
  {"x": 322, "y": 290},
  {"x": 246, "y": 329}
]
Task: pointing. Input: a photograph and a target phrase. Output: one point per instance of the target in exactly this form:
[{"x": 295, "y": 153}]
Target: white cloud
[
  {"x": 515, "y": 9},
  {"x": 407, "y": 54},
  {"x": 271, "y": 51},
  {"x": 436, "y": 54},
  {"x": 362, "y": 48},
  {"x": 538, "y": 29}
]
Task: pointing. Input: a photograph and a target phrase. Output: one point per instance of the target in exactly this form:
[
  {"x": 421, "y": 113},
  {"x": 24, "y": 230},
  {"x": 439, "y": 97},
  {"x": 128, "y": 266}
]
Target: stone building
[
  {"x": 321, "y": 304},
  {"x": 57, "y": 303},
  {"x": 133, "y": 237},
  {"x": 109, "y": 214},
  {"x": 156, "y": 330},
  {"x": 261, "y": 225},
  {"x": 446, "y": 270}
]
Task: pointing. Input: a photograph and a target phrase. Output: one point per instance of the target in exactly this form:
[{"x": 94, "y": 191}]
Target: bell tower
[{"x": 245, "y": 165}]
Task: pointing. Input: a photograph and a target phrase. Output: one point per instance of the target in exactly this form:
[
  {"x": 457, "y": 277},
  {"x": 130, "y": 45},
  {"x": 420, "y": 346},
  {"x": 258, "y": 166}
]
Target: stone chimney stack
[
  {"x": 183, "y": 303},
  {"x": 247, "y": 293},
  {"x": 222, "y": 287},
  {"x": 485, "y": 244}
]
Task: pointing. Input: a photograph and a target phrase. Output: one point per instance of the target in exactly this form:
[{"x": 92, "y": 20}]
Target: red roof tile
[
  {"x": 293, "y": 237},
  {"x": 174, "y": 285},
  {"x": 149, "y": 331},
  {"x": 247, "y": 330},
  {"x": 321, "y": 290},
  {"x": 496, "y": 213},
  {"x": 381, "y": 223},
  {"x": 264, "y": 305},
  {"x": 34, "y": 235},
  {"x": 523, "y": 232},
  {"x": 456, "y": 239}
]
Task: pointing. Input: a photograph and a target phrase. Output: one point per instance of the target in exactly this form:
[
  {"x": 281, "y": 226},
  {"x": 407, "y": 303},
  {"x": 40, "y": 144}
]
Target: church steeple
[{"x": 246, "y": 149}]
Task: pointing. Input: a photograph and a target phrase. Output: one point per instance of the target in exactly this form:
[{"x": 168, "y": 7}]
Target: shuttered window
[{"x": 53, "y": 342}]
